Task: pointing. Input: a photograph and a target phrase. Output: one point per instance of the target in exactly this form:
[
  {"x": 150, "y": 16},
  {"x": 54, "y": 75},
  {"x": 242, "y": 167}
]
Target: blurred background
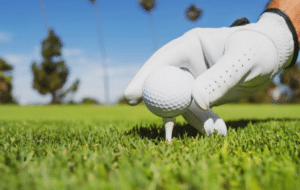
[{"x": 88, "y": 51}]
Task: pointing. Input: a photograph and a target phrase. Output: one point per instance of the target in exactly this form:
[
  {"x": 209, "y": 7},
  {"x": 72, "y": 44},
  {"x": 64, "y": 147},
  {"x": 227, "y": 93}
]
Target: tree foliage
[
  {"x": 88, "y": 101},
  {"x": 193, "y": 13},
  {"x": 122, "y": 100},
  {"x": 147, "y": 5},
  {"x": 5, "y": 83},
  {"x": 52, "y": 74},
  {"x": 290, "y": 77},
  {"x": 4, "y": 66},
  {"x": 262, "y": 96}
]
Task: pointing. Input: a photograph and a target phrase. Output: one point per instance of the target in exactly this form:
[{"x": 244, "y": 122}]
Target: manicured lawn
[{"x": 123, "y": 147}]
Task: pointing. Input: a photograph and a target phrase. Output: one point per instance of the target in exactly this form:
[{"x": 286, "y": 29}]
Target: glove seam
[
  {"x": 291, "y": 28},
  {"x": 284, "y": 58},
  {"x": 255, "y": 31}
]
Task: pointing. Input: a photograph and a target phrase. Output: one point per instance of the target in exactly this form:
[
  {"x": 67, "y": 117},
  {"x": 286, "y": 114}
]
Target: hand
[{"x": 228, "y": 63}]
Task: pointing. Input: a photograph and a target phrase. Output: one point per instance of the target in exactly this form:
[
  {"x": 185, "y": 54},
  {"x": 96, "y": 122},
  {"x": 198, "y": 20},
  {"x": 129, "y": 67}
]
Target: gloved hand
[{"x": 228, "y": 63}]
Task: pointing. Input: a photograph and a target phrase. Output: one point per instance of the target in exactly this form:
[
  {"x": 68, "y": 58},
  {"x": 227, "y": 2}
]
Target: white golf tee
[{"x": 169, "y": 124}]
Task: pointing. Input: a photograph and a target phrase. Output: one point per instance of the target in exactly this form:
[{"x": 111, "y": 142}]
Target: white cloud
[
  {"x": 22, "y": 62},
  {"x": 71, "y": 52},
  {"x": 15, "y": 59},
  {"x": 92, "y": 80},
  {"x": 22, "y": 76},
  {"x": 88, "y": 70},
  {"x": 5, "y": 37}
]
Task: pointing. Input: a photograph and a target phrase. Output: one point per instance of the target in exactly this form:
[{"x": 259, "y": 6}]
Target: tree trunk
[{"x": 54, "y": 99}]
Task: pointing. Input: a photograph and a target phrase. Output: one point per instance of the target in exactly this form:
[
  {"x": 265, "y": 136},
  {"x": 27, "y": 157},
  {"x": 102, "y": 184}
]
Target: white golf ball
[{"x": 167, "y": 92}]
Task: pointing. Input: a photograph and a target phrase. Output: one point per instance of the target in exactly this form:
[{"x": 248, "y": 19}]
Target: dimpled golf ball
[{"x": 167, "y": 92}]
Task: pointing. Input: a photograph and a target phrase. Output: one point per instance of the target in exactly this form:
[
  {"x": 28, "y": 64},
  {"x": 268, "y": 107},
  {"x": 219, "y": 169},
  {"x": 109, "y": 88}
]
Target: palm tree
[
  {"x": 102, "y": 48},
  {"x": 193, "y": 13},
  {"x": 148, "y": 5},
  {"x": 44, "y": 15}
]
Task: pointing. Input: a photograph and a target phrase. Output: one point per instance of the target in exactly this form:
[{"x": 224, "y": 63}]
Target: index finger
[{"x": 185, "y": 51}]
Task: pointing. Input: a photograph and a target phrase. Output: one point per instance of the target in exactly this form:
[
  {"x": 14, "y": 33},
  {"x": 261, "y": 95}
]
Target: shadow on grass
[
  {"x": 158, "y": 131},
  {"x": 244, "y": 123},
  {"x": 155, "y": 131}
]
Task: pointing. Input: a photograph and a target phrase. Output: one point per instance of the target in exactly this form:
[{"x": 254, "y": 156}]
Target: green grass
[
  {"x": 139, "y": 113},
  {"x": 65, "y": 112},
  {"x": 122, "y": 147}
]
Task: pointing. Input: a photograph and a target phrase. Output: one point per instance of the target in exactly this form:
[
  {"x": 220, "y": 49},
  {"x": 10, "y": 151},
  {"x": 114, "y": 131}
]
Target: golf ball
[{"x": 167, "y": 92}]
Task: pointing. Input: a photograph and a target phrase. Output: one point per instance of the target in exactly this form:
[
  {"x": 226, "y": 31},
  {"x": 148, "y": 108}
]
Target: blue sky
[{"x": 126, "y": 33}]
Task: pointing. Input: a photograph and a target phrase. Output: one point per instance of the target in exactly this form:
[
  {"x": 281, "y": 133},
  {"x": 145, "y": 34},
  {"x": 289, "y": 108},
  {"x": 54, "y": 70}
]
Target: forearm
[{"x": 291, "y": 8}]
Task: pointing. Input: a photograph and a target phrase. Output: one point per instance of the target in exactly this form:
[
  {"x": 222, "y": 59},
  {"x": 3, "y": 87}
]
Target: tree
[
  {"x": 72, "y": 102},
  {"x": 122, "y": 100},
  {"x": 291, "y": 77},
  {"x": 88, "y": 101},
  {"x": 102, "y": 49},
  {"x": 262, "y": 96},
  {"x": 52, "y": 74},
  {"x": 5, "y": 83},
  {"x": 193, "y": 13},
  {"x": 148, "y": 5}
]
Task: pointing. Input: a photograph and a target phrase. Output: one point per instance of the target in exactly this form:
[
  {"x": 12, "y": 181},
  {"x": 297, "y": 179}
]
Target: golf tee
[{"x": 169, "y": 124}]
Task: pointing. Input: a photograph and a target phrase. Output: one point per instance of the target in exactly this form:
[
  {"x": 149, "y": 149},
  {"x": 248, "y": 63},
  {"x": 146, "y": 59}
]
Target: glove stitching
[
  {"x": 292, "y": 30},
  {"x": 279, "y": 38}
]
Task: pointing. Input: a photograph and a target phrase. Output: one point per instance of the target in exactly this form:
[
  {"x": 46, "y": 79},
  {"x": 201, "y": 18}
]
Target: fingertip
[
  {"x": 221, "y": 126},
  {"x": 132, "y": 96},
  {"x": 133, "y": 102}
]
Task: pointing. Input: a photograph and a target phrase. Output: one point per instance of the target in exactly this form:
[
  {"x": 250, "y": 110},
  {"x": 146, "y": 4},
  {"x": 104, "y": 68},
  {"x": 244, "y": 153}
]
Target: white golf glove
[{"x": 228, "y": 64}]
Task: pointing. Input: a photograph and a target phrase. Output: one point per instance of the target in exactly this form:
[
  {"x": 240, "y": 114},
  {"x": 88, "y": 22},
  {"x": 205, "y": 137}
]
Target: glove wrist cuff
[{"x": 292, "y": 29}]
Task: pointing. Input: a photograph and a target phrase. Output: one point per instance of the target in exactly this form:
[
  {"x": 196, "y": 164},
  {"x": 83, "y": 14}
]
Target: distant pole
[
  {"x": 44, "y": 15},
  {"x": 102, "y": 49}
]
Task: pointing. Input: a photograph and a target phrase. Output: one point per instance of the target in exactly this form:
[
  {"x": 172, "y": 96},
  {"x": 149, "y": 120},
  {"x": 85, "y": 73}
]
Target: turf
[{"x": 122, "y": 147}]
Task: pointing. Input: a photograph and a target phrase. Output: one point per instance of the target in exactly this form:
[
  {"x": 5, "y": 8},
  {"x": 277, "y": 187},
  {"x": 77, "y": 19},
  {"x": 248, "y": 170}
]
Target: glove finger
[
  {"x": 220, "y": 126},
  {"x": 204, "y": 121},
  {"x": 248, "y": 55},
  {"x": 185, "y": 51}
]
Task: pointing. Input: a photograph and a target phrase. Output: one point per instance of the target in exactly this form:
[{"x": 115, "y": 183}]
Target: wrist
[
  {"x": 291, "y": 28},
  {"x": 290, "y": 8}
]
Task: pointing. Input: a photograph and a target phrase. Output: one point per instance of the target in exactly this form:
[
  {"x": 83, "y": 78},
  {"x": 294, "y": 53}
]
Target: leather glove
[{"x": 228, "y": 63}]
